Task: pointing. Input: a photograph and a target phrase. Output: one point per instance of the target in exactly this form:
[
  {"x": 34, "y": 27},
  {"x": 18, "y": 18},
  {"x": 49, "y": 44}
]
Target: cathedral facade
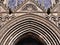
[{"x": 29, "y": 22}]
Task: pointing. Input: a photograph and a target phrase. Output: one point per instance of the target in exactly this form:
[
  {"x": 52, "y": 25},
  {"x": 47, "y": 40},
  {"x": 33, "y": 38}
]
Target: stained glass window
[
  {"x": 45, "y": 3},
  {"x": 13, "y": 3},
  {"x": 19, "y": 1}
]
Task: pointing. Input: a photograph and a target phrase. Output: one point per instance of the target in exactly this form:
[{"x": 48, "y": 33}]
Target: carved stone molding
[
  {"x": 30, "y": 23},
  {"x": 5, "y": 19}
]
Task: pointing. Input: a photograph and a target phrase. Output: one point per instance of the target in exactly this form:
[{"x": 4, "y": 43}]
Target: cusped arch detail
[{"x": 30, "y": 23}]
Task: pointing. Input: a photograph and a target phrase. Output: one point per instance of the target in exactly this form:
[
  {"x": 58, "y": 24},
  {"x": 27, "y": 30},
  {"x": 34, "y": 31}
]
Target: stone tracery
[
  {"x": 30, "y": 8},
  {"x": 47, "y": 16}
]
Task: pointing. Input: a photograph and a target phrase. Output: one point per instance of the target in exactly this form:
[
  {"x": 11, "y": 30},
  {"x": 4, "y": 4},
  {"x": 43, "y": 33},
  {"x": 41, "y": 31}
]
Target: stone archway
[
  {"x": 29, "y": 39},
  {"x": 46, "y": 30}
]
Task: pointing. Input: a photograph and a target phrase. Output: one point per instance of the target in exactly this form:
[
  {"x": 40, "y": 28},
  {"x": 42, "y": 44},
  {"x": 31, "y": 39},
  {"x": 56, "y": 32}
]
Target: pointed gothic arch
[
  {"x": 30, "y": 23},
  {"x": 29, "y": 38}
]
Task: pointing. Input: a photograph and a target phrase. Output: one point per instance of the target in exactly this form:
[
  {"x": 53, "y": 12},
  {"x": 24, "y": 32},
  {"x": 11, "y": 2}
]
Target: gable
[
  {"x": 2, "y": 9},
  {"x": 57, "y": 9},
  {"x": 29, "y": 6}
]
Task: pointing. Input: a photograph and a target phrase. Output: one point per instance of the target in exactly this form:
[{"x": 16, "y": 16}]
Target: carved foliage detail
[
  {"x": 54, "y": 19},
  {"x": 5, "y": 19}
]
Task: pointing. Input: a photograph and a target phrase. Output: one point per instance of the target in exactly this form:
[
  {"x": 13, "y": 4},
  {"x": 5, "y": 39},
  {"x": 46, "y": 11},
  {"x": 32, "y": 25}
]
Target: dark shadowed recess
[{"x": 29, "y": 40}]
